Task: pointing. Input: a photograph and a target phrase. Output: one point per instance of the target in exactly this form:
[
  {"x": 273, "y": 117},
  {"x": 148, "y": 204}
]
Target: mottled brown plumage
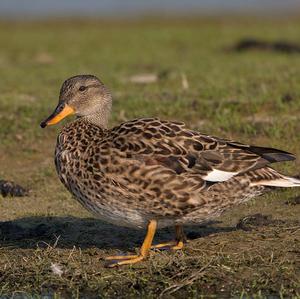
[{"x": 149, "y": 171}]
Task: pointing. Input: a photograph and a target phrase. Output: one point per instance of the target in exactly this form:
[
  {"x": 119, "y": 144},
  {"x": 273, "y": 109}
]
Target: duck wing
[
  {"x": 174, "y": 147},
  {"x": 164, "y": 169}
]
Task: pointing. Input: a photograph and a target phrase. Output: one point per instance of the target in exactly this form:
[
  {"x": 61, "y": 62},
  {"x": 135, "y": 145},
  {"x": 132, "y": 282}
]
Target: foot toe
[
  {"x": 120, "y": 257},
  {"x": 132, "y": 259},
  {"x": 173, "y": 245}
]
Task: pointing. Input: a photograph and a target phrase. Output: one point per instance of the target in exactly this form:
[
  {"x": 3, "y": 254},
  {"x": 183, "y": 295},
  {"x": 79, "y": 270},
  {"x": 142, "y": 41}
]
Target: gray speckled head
[{"x": 86, "y": 96}]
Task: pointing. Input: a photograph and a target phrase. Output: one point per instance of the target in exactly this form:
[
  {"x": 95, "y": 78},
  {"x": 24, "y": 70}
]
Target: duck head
[{"x": 85, "y": 96}]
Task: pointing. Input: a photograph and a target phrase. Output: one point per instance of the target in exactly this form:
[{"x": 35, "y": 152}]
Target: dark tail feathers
[{"x": 271, "y": 154}]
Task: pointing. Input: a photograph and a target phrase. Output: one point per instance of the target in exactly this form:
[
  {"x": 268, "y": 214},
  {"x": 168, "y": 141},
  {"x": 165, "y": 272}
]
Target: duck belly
[
  {"x": 220, "y": 202},
  {"x": 107, "y": 208}
]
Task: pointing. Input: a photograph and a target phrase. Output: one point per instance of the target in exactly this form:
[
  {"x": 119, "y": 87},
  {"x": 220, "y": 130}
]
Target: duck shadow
[{"x": 67, "y": 232}]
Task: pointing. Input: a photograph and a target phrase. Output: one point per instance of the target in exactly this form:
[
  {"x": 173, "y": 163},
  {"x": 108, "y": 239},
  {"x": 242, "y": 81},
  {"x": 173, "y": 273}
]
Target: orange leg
[
  {"x": 119, "y": 260},
  {"x": 177, "y": 244}
]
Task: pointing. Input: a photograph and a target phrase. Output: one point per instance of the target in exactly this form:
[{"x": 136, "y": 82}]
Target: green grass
[{"x": 233, "y": 95}]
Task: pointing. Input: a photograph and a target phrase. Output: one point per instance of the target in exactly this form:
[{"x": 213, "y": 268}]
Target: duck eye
[{"x": 82, "y": 88}]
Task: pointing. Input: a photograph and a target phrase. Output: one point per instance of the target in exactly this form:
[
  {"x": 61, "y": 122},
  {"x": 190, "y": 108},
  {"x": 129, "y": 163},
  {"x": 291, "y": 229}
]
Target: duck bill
[{"x": 61, "y": 111}]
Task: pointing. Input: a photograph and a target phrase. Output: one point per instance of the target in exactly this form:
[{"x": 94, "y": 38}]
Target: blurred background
[
  {"x": 136, "y": 8},
  {"x": 176, "y": 59}
]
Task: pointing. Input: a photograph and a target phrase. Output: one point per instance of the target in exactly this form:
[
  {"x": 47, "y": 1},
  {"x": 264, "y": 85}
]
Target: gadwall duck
[{"x": 151, "y": 173}]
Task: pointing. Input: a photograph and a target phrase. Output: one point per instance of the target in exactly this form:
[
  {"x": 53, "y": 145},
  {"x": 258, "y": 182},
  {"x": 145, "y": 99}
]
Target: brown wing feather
[{"x": 172, "y": 146}]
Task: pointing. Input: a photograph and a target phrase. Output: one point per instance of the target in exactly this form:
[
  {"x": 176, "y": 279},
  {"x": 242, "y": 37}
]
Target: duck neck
[
  {"x": 99, "y": 115},
  {"x": 98, "y": 119}
]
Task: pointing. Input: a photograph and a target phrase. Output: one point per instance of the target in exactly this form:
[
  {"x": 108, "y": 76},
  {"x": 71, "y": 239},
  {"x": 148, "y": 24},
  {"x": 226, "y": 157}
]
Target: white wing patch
[{"x": 219, "y": 175}]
